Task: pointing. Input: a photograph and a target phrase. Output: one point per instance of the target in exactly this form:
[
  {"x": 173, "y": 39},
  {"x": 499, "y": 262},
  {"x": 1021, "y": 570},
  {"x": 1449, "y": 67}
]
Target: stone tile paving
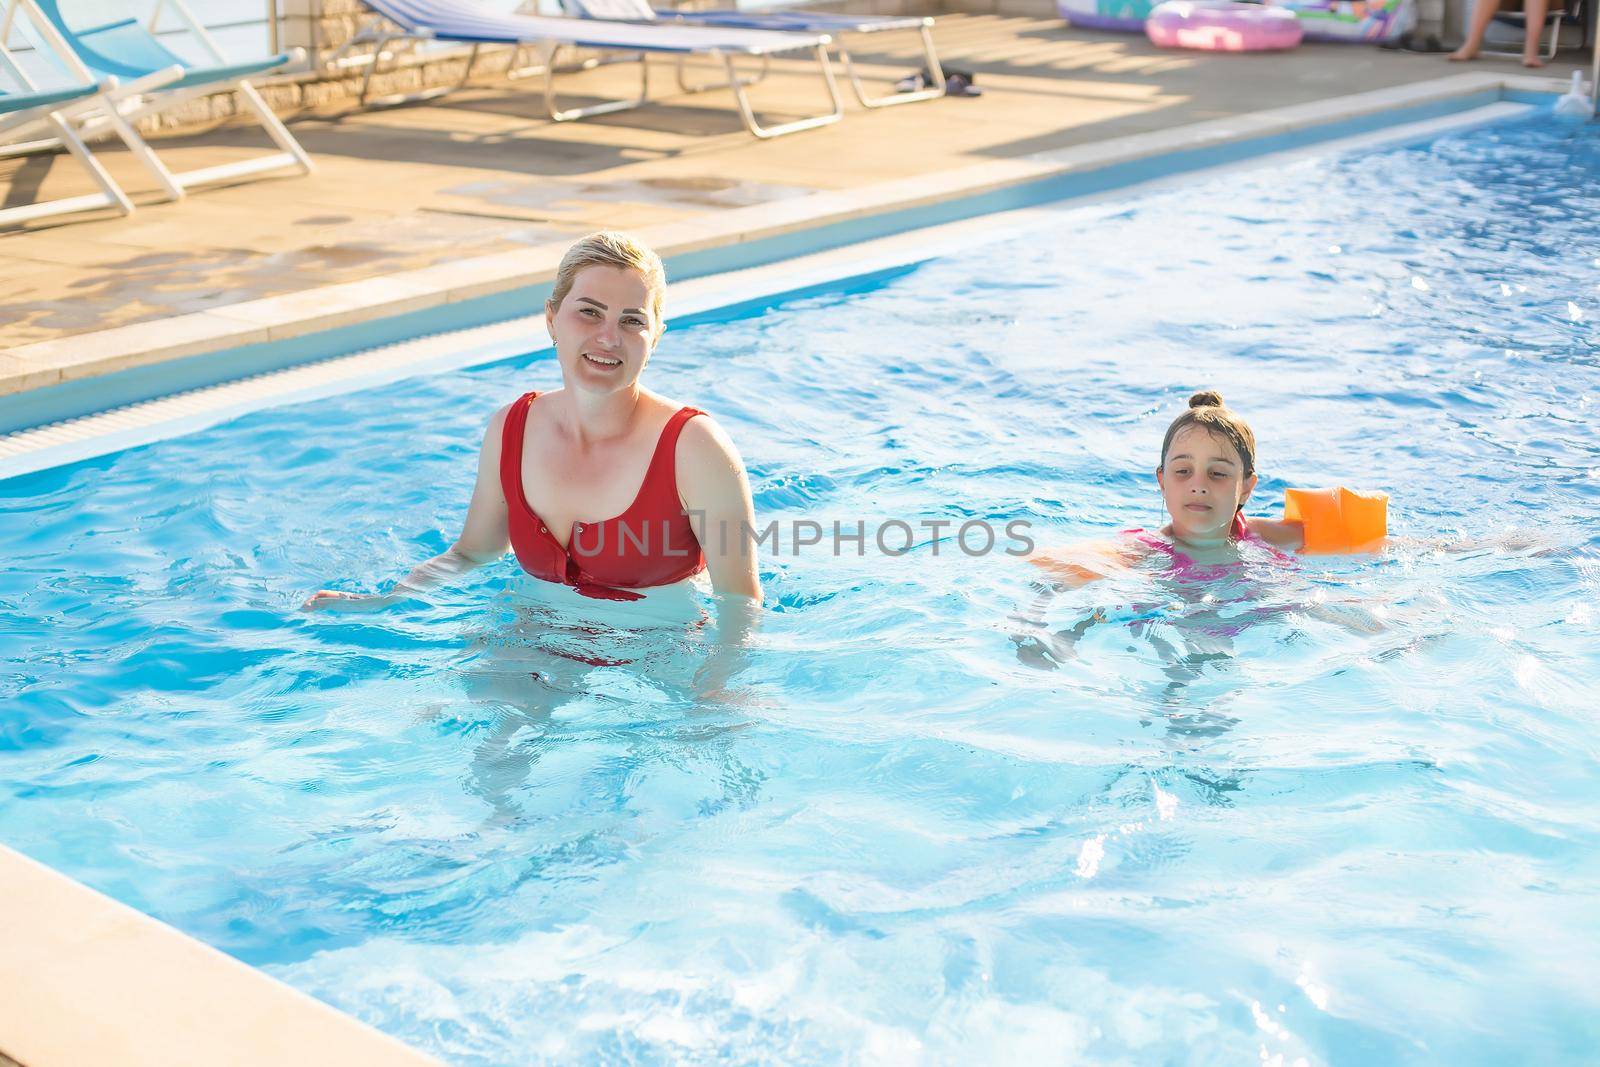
[{"x": 482, "y": 171}]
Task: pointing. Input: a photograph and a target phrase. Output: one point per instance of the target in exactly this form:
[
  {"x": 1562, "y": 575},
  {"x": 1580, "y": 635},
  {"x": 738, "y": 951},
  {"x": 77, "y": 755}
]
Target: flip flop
[{"x": 960, "y": 84}]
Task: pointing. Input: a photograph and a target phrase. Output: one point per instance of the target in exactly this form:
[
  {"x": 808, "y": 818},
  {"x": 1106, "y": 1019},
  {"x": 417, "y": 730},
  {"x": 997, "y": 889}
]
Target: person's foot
[
  {"x": 1464, "y": 53},
  {"x": 1532, "y": 61}
]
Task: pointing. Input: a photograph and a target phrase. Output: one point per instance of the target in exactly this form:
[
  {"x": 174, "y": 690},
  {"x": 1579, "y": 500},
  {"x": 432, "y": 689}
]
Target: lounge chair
[
  {"x": 469, "y": 23},
  {"x": 22, "y": 111},
  {"x": 149, "y": 79},
  {"x": 1554, "y": 17},
  {"x": 836, "y": 26}
]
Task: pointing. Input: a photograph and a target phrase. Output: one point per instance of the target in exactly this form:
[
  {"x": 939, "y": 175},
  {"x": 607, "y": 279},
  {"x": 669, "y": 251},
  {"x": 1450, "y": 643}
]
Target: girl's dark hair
[{"x": 1207, "y": 411}]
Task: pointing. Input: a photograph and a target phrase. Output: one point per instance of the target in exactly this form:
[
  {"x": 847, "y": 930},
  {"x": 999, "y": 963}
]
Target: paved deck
[{"x": 483, "y": 171}]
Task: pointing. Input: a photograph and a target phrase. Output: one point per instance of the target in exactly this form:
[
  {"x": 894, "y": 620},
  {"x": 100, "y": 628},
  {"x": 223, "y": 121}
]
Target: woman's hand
[
  {"x": 333, "y": 600},
  {"x": 484, "y": 538}
]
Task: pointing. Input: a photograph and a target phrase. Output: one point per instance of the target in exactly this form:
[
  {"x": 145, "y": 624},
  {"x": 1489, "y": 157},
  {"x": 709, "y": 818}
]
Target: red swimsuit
[{"x": 652, "y": 543}]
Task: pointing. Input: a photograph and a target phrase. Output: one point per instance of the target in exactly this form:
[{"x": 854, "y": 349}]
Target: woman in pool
[{"x": 602, "y": 485}]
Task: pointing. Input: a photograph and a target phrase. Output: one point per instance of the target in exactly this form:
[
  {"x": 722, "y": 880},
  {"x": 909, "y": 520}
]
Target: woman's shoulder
[
  {"x": 497, "y": 420},
  {"x": 670, "y": 405},
  {"x": 700, "y": 433},
  {"x": 709, "y": 470},
  {"x": 495, "y": 431},
  {"x": 703, "y": 441},
  {"x": 532, "y": 398}
]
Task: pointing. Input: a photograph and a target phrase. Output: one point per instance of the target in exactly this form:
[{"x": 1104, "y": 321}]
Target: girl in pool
[
  {"x": 1207, "y": 473},
  {"x": 554, "y": 465},
  {"x": 1206, "y": 476}
]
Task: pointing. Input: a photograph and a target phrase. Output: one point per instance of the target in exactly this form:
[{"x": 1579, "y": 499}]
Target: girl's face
[
  {"x": 604, "y": 329},
  {"x": 1203, "y": 484}
]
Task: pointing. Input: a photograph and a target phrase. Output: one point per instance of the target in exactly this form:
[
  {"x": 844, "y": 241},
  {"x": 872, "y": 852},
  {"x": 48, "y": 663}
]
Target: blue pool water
[{"x": 509, "y": 832}]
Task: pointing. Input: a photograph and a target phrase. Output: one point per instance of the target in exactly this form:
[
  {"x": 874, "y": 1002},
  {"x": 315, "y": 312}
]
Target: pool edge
[
  {"x": 88, "y": 980},
  {"x": 54, "y": 380}
]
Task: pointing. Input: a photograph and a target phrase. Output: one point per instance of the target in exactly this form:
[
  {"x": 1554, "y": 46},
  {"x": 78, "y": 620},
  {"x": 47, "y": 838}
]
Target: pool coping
[
  {"x": 708, "y": 298},
  {"x": 87, "y": 980},
  {"x": 744, "y": 236}
]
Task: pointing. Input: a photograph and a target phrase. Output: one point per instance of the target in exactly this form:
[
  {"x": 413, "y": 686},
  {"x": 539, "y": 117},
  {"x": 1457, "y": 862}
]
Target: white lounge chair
[
  {"x": 1555, "y": 15},
  {"x": 146, "y": 78},
  {"x": 467, "y": 22},
  {"x": 51, "y": 110},
  {"x": 836, "y": 24}
]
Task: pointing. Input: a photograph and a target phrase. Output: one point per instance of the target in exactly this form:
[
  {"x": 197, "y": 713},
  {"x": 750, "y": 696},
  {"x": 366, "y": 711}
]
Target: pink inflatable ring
[{"x": 1222, "y": 26}]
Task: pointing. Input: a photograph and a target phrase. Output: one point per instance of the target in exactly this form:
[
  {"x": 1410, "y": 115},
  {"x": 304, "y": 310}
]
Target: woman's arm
[
  {"x": 484, "y": 539},
  {"x": 716, "y": 492}
]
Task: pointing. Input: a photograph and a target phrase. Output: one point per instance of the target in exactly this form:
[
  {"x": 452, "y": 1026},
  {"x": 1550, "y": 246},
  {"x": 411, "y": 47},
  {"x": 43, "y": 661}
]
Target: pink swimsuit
[
  {"x": 1184, "y": 566},
  {"x": 1201, "y": 616}
]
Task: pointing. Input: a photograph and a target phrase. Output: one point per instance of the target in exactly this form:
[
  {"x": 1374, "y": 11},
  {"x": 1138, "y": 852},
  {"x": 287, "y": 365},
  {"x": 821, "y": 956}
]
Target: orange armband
[{"x": 1338, "y": 520}]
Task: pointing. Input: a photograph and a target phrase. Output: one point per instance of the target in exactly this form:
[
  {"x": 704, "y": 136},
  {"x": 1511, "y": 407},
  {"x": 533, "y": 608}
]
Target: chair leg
[
  {"x": 110, "y": 195},
  {"x": 170, "y": 186},
  {"x": 610, "y": 106},
  {"x": 378, "y": 52},
  {"x": 766, "y": 132},
  {"x": 372, "y": 63},
  {"x": 103, "y": 116},
  {"x": 174, "y": 183},
  {"x": 1553, "y": 17},
  {"x": 516, "y": 70},
  {"x": 466, "y": 72},
  {"x": 757, "y": 77},
  {"x": 113, "y": 192},
  {"x": 929, "y": 56},
  {"x": 275, "y": 128}
]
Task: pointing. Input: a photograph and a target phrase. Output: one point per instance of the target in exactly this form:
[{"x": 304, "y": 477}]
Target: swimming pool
[{"x": 506, "y": 832}]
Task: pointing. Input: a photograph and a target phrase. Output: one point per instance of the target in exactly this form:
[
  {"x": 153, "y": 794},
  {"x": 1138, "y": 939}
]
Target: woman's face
[
  {"x": 604, "y": 330},
  {"x": 1203, "y": 483}
]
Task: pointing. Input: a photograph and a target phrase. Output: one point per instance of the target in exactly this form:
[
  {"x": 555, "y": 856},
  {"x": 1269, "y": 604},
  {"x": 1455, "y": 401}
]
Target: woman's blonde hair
[
  {"x": 611, "y": 249},
  {"x": 1207, "y": 411}
]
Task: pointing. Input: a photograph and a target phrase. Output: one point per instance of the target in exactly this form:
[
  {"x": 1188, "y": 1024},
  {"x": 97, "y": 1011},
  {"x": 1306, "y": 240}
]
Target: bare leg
[
  {"x": 1482, "y": 12},
  {"x": 1534, "y": 12}
]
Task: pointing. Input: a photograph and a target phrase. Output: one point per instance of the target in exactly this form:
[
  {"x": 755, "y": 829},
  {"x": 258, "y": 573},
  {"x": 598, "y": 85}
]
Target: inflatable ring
[
  {"x": 1338, "y": 520},
  {"x": 1366, "y": 21},
  {"x": 1222, "y": 26},
  {"x": 1125, "y": 15}
]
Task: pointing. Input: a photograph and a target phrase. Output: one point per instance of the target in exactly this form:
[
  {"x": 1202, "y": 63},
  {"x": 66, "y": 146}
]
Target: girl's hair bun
[{"x": 1206, "y": 410}]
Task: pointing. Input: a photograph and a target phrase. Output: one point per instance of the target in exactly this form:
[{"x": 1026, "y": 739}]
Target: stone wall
[
  {"x": 314, "y": 31},
  {"x": 320, "y": 28}
]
